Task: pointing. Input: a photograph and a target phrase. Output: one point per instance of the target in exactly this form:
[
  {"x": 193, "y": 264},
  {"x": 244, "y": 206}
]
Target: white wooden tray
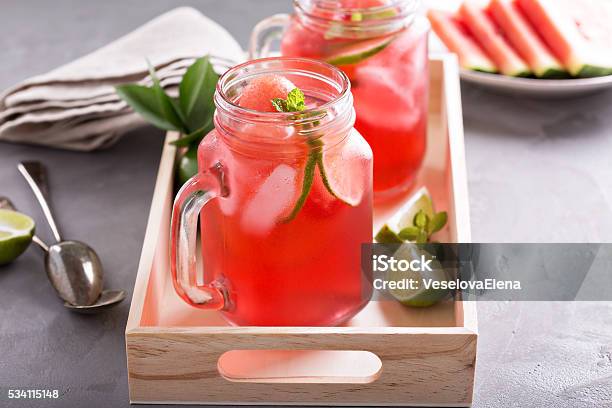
[{"x": 386, "y": 355}]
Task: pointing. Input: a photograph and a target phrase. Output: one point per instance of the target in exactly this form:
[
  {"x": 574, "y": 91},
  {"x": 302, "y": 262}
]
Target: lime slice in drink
[
  {"x": 344, "y": 168},
  {"x": 421, "y": 295},
  {"x": 358, "y": 51},
  {"x": 16, "y": 231}
]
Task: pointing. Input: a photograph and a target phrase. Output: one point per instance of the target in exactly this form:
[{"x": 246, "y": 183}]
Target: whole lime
[{"x": 188, "y": 165}]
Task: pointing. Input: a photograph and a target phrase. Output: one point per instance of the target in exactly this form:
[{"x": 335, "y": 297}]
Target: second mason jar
[{"x": 382, "y": 46}]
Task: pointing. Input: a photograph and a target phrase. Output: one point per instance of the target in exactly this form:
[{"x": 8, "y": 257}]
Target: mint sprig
[
  {"x": 423, "y": 227},
  {"x": 295, "y": 102},
  {"x": 191, "y": 113},
  {"x": 420, "y": 232}
]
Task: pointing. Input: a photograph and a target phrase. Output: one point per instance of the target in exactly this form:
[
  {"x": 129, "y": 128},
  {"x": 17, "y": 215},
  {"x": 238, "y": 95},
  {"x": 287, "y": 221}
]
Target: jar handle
[
  {"x": 190, "y": 200},
  {"x": 265, "y": 32}
]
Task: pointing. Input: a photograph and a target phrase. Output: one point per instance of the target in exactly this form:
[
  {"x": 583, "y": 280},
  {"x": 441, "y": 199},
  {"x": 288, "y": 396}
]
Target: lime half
[
  {"x": 16, "y": 231},
  {"x": 404, "y": 217},
  {"x": 387, "y": 236},
  {"x": 420, "y": 295},
  {"x": 420, "y": 201}
]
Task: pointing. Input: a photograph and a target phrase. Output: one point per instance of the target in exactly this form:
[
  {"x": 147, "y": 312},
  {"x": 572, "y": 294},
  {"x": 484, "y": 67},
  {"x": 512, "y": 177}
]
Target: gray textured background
[{"x": 538, "y": 171}]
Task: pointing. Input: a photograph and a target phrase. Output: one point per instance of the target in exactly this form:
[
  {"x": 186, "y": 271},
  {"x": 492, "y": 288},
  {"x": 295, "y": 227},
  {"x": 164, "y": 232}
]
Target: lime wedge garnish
[
  {"x": 422, "y": 296},
  {"x": 387, "y": 236},
  {"x": 404, "y": 217},
  {"x": 16, "y": 231},
  {"x": 421, "y": 200}
]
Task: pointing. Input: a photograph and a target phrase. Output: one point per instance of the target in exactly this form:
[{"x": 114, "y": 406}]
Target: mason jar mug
[
  {"x": 284, "y": 201},
  {"x": 382, "y": 47}
]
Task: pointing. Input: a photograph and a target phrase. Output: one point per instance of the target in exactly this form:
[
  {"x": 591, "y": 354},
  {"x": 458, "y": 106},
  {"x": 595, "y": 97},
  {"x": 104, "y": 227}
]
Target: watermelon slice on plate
[
  {"x": 525, "y": 40},
  {"x": 492, "y": 41},
  {"x": 579, "y": 32},
  {"x": 459, "y": 41}
]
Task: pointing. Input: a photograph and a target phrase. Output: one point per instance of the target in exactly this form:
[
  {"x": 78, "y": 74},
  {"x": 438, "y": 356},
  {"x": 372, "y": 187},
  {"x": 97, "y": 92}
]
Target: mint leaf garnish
[
  {"x": 437, "y": 222},
  {"x": 421, "y": 230},
  {"x": 296, "y": 101}
]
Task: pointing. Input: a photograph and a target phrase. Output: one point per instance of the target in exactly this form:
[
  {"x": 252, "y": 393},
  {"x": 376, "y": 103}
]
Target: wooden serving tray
[{"x": 386, "y": 355}]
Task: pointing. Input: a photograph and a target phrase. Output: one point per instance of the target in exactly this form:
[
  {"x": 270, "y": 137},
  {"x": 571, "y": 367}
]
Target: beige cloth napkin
[{"x": 75, "y": 106}]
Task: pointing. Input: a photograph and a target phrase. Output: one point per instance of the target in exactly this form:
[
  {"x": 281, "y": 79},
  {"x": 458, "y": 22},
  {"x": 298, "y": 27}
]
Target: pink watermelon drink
[
  {"x": 293, "y": 199},
  {"x": 383, "y": 50}
]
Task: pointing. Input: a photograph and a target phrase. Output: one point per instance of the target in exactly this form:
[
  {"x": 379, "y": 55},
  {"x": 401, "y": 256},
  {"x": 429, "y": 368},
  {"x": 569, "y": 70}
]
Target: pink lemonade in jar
[
  {"x": 382, "y": 48},
  {"x": 293, "y": 200}
]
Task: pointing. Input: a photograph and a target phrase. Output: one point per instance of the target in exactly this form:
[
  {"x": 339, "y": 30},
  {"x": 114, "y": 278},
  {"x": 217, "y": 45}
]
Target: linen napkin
[{"x": 75, "y": 106}]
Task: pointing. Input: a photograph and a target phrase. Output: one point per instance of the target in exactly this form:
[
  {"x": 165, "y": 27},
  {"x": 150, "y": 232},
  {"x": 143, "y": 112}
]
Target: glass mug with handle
[
  {"x": 284, "y": 201},
  {"x": 382, "y": 46}
]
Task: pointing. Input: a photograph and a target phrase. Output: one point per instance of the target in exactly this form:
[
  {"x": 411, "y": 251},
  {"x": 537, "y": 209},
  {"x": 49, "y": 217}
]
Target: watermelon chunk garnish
[{"x": 260, "y": 91}]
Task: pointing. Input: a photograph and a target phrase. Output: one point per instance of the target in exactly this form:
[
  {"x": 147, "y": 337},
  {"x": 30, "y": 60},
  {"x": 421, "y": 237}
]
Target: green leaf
[
  {"x": 144, "y": 101},
  {"x": 295, "y": 100},
  {"x": 422, "y": 237},
  {"x": 437, "y": 222},
  {"x": 421, "y": 219},
  {"x": 409, "y": 233},
  {"x": 196, "y": 94},
  {"x": 165, "y": 103},
  {"x": 196, "y": 135}
]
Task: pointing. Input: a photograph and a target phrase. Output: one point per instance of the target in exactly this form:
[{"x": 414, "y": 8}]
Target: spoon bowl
[
  {"x": 75, "y": 272},
  {"x": 107, "y": 300}
]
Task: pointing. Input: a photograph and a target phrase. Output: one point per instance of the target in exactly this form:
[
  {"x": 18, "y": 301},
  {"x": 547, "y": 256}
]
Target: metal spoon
[
  {"x": 73, "y": 267},
  {"x": 107, "y": 299}
]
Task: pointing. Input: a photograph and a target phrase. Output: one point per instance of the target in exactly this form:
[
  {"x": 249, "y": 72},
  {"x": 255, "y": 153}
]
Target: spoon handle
[{"x": 36, "y": 176}]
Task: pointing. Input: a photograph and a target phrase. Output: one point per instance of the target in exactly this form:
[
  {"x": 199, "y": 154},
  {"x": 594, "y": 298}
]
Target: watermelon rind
[
  {"x": 555, "y": 73},
  {"x": 592, "y": 71}
]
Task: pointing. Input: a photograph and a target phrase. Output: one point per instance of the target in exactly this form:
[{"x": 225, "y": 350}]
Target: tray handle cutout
[{"x": 300, "y": 366}]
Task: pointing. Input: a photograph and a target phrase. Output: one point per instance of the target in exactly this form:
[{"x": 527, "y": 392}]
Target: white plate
[{"x": 537, "y": 87}]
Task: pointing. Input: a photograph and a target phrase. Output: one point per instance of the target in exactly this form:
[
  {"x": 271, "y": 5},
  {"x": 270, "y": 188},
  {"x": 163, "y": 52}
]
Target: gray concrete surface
[{"x": 538, "y": 171}]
